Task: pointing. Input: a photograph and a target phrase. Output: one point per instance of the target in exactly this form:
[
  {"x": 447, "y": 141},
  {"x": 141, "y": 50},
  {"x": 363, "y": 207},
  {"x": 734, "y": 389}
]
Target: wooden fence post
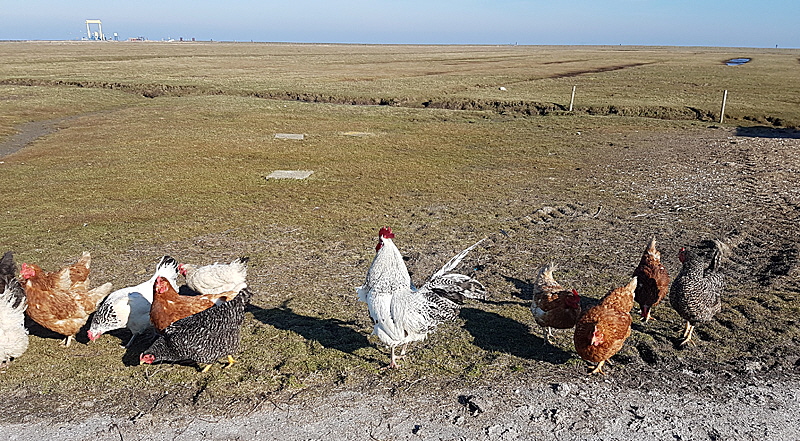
[
  {"x": 572, "y": 99},
  {"x": 722, "y": 111}
]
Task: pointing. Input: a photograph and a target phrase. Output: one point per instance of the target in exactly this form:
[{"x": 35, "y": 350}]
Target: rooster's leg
[
  {"x": 231, "y": 361},
  {"x": 403, "y": 352},
  {"x": 393, "y": 364},
  {"x": 598, "y": 369},
  {"x": 206, "y": 368}
]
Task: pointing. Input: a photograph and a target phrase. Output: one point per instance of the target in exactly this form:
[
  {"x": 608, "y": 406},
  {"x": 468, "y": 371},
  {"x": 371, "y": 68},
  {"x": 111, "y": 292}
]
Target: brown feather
[
  {"x": 611, "y": 318},
  {"x": 653, "y": 279},
  {"x": 550, "y": 307},
  {"x": 169, "y": 306},
  {"x": 59, "y": 300}
]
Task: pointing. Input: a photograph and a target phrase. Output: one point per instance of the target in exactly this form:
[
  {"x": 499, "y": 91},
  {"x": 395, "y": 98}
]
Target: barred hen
[
  {"x": 652, "y": 280},
  {"x": 204, "y": 337},
  {"x": 216, "y": 278},
  {"x": 13, "y": 335},
  {"x": 130, "y": 307},
  {"x": 553, "y": 306},
  {"x": 61, "y": 301},
  {"x": 602, "y": 330},
  {"x": 696, "y": 292},
  {"x": 403, "y": 314}
]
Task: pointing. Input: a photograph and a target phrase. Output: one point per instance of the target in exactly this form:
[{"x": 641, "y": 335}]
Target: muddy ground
[{"x": 739, "y": 382}]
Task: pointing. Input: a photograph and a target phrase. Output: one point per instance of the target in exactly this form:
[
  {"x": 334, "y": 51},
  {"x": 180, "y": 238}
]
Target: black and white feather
[
  {"x": 204, "y": 337},
  {"x": 8, "y": 271},
  {"x": 130, "y": 307},
  {"x": 696, "y": 292},
  {"x": 13, "y": 335}
]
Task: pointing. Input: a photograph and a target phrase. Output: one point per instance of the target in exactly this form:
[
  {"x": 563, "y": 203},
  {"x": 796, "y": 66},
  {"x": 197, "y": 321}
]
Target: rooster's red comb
[{"x": 386, "y": 233}]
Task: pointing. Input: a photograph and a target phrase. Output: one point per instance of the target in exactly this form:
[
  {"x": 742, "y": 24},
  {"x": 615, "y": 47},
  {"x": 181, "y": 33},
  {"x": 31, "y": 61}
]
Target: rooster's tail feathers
[{"x": 452, "y": 263}]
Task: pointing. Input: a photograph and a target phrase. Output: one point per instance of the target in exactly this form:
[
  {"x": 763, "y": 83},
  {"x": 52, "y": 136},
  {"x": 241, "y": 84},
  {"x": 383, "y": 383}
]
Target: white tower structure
[{"x": 99, "y": 34}]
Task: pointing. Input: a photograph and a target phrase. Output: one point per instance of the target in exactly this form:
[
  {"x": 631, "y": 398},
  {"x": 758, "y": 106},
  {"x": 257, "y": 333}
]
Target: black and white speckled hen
[
  {"x": 697, "y": 289},
  {"x": 204, "y": 337}
]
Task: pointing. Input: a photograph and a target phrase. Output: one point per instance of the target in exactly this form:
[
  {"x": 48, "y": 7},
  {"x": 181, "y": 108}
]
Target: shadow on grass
[
  {"x": 768, "y": 132},
  {"x": 42, "y": 332},
  {"x": 331, "y": 333},
  {"x": 493, "y": 332},
  {"x": 525, "y": 288},
  {"x": 142, "y": 342}
]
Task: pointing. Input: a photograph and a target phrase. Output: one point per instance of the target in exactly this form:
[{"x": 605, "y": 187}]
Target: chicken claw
[
  {"x": 231, "y": 361},
  {"x": 598, "y": 369}
]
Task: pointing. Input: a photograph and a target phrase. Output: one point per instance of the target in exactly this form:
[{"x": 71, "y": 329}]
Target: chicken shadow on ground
[
  {"x": 42, "y": 332},
  {"x": 524, "y": 289},
  {"x": 493, "y": 332},
  {"x": 331, "y": 333},
  {"x": 132, "y": 353}
]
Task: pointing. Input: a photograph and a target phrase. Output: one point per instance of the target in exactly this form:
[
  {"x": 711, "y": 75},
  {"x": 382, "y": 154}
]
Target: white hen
[
  {"x": 216, "y": 278},
  {"x": 130, "y": 307},
  {"x": 403, "y": 314},
  {"x": 13, "y": 335}
]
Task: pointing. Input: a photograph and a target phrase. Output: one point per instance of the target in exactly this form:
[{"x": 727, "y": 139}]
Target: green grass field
[{"x": 171, "y": 142}]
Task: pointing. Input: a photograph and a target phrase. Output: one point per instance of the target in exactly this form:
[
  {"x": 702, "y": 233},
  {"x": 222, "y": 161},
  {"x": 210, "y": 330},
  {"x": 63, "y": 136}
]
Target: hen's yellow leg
[
  {"x": 231, "y": 361},
  {"x": 598, "y": 369}
]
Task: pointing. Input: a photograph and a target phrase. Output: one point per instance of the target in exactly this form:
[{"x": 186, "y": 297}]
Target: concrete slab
[
  {"x": 290, "y": 174},
  {"x": 289, "y": 136}
]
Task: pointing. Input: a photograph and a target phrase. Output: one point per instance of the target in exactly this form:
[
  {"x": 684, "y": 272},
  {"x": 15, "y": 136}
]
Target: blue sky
[{"x": 629, "y": 22}]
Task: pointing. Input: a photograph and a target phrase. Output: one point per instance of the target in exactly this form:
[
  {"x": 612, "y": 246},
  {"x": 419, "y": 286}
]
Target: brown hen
[
  {"x": 602, "y": 330},
  {"x": 652, "y": 280},
  {"x": 61, "y": 301},
  {"x": 169, "y": 306},
  {"x": 553, "y": 306}
]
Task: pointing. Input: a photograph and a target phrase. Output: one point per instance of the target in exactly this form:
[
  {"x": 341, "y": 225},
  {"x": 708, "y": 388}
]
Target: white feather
[
  {"x": 218, "y": 277},
  {"x": 13, "y": 335}
]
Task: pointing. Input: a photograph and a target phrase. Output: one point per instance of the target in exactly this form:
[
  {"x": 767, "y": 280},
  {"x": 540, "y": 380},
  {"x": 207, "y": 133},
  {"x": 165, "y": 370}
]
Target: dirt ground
[{"x": 740, "y": 382}]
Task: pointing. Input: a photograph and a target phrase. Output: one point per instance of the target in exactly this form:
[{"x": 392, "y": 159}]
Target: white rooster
[
  {"x": 130, "y": 307},
  {"x": 13, "y": 335},
  {"x": 216, "y": 278},
  {"x": 403, "y": 314}
]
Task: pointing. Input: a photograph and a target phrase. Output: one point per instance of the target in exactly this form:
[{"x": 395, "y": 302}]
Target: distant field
[
  {"x": 661, "y": 82},
  {"x": 169, "y": 144}
]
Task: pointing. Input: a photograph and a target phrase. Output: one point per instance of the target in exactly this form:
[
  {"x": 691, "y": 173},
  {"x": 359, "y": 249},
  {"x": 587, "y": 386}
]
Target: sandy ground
[{"x": 754, "y": 409}]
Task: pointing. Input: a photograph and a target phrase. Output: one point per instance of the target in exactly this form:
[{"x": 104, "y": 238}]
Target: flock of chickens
[
  {"x": 200, "y": 322},
  {"x": 201, "y": 325}
]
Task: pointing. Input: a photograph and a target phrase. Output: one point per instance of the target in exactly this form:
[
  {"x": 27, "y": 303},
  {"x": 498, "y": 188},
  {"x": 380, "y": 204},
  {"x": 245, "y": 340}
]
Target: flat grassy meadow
[{"x": 163, "y": 148}]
